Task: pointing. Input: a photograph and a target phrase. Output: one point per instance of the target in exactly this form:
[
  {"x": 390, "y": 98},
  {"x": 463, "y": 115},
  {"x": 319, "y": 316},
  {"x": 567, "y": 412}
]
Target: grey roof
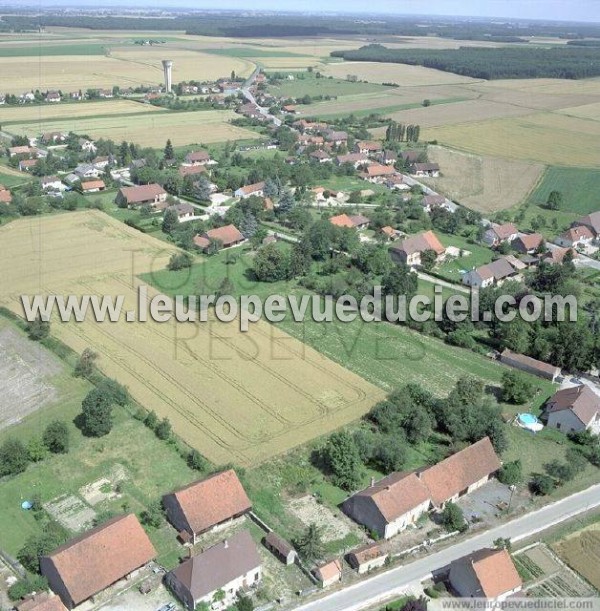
[{"x": 219, "y": 565}]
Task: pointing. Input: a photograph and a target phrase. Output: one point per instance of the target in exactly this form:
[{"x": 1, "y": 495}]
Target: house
[
  {"x": 409, "y": 250},
  {"x": 390, "y": 505},
  {"x": 2, "y": 99},
  {"x": 574, "y": 409},
  {"x": 290, "y": 109},
  {"x": 530, "y": 365},
  {"x": 25, "y": 165},
  {"x": 41, "y": 601},
  {"x": 87, "y": 146},
  {"x": 76, "y": 95},
  {"x": 388, "y": 157},
  {"x": 497, "y": 234},
  {"x": 27, "y": 97},
  {"x": 183, "y": 211},
  {"x": 431, "y": 170},
  {"x": 106, "y": 93},
  {"x": 227, "y": 568},
  {"x": 228, "y": 236},
  {"x": 100, "y": 163},
  {"x": 356, "y": 221},
  {"x": 495, "y": 272},
  {"x": 250, "y": 190},
  {"x": 576, "y": 237},
  {"x": 432, "y": 201},
  {"x": 367, "y": 558},
  {"x": 329, "y": 573},
  {"x": 356, "y": 159},
  {"x": 192, "y": 170},
  {"x": 556, "y": 256},
  {"x": 5, "y": 195},
  {"x": 92, "y": 186},
  {"x": 95, "y": 560},
  {"x": 54, "y": 137},
  {"x": 486, "y": 573},
  {"x": 321, "y": 156},
  {"x": 86, "y": 170},
  {"x": 197, "y": 158},
  {"x": 336, "y": 138},
  {"x": 14, "y": 151},
  {"x": 592, "y": 222},
  {"x": 378, "y": 172},
  {"x": 53, "y": 96},
  {"x": 279, "y": 547},
  {"x": 529, "y": 243},
  {"x": 206, "y": 504},
  {"x": 367, "y": 147},
  {"x": 460, "y": 473},
  {"x": 141, "y": 195},
  {"x": 396, "y": 181},
  {"x": 390, "y": 233}
]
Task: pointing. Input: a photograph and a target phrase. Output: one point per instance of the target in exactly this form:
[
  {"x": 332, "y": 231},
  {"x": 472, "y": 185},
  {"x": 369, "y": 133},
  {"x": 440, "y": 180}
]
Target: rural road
[{"x": 390, "y": 583}]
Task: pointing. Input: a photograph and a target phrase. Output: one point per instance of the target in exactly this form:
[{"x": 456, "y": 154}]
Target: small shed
[{"x": 280, "y": 548}]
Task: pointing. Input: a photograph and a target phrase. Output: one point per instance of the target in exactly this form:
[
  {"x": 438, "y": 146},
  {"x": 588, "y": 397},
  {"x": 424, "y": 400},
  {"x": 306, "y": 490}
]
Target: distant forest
[
  {"x": 568, "y": 62},
  {"x": 243, "y": 25}
]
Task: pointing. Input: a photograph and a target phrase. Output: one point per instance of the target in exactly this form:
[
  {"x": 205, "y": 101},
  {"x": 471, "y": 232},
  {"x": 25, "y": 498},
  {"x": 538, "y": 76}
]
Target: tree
[
  {"x": 415, "y": 604},
  {"x": 52, "y": 536},
  {"x": 390, "y": 454},
  {"x": 542, "y": 485},
  {"x": 342, "y": 458},
  {"x": 516, "y": 388},
  {"x": 310, "y": 545},
  {"x": 196, "y": 461},
  {"x": 163, "y": 429},
  {"x": 178, "y": 261},
  {"x": 13, "y": 457},
  {"x": 426, "y": 102},
  {"x": 503, "y": 543},
  {"x": 38, "y": 329},
  {"x": 400, "y": 281},
  {"x": 170, "y": 221},
  {"x": 202, "y": 189},
  {"x": 36, "y": 450},
  {"x": 555, "y": 200},
  {"x": 249, "y": 225},
  {"x": 300, "y": 259},
  {"x": 244, "y": 603},
  {"x": 271, "y": 264},
  {"x": 453, "y": 518},
  {"x": 85, "y": 365},
  {"x": 511, "y": 473},
  {"x": 23, "y": 587},
  {"x": 169, "y": 152},
  {"x": 152, "y": 515},
  {"x": 97, "y": 413},
  {"x": 286, "y": 204},
  {"x": 428, "y": 259},
  {"x": 56, "y": 437},
  {"x": 116, "y": 392},
  {"x": 151, "y": 420}
]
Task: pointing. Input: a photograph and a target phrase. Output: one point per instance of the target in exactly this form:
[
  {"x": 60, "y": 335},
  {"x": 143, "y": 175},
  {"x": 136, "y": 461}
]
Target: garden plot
[
  {"x": 25, "y": 372},
  {"x": 71, "y": 512}
]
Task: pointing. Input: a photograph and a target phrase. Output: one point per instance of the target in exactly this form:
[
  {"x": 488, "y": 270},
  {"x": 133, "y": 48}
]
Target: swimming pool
[
  {"x": 527, "y": 419},
  {"x": 529, "y": 422}
]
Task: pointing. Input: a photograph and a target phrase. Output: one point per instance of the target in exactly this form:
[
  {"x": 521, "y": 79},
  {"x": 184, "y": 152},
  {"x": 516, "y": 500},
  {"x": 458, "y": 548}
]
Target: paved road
[
  {"x": 395, "y": 581},
  {"x": 579, "y": 261},
  {"x": 409, "y": 180},
  {"x": 449, "y": 285},
  {"x": 248, "y": 95}
]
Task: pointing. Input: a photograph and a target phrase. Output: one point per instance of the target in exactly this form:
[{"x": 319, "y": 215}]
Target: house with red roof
[
  {"x": 206, "y": 504},
  {"x": 577, "y": 236},
  {"x": 354, "y": 221},
  {"x": 329, "y": 574},
  {"x": 142, "y": 195},
  {"x": 486, "y": 573},
  {"x": 528, "y": 243},
  {"x": 497, "y": 234},
  {"x": 40, "y": 601},
  {"x": 97, "y": 559},
  {"x": 228, "y": 236},
  {"x": 574, "y": 409},
  {"x": 256, "y": 189},
  {"x": 409, "y": 250}
]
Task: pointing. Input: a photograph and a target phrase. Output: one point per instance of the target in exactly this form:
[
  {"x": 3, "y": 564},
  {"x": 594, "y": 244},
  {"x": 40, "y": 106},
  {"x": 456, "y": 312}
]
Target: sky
[{"x": 567, "y": 10}]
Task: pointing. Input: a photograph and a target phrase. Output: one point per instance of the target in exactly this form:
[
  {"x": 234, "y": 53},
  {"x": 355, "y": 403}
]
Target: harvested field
[
  {"x": 402, "y": 74},
  {"x": 587, "y": 111},
  {"x": 149, "y": 129},
  {"x": 24, "y": 114},
  {"x": 486, "y": 184},
  {"x": 547, "y": 138},
  {"x": 236, "y": 397},
  {"x": 124, "y": 66},
  {"x": 581, "y": 551},
  {"x": 26, "y": 372}
]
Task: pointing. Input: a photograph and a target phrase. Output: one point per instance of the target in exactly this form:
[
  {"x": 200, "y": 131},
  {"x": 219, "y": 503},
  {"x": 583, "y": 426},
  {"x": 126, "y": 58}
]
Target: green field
[
  {"x": 308, "y": 84},
  {"x": 479, "y": 255},
  {"x": 52, "y": 50},
  {"x": 250, "y": 52},
  {"x": 579, "y": 186}
]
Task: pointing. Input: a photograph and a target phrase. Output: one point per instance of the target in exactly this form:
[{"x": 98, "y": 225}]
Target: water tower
[{"x": 168, "y": 68}]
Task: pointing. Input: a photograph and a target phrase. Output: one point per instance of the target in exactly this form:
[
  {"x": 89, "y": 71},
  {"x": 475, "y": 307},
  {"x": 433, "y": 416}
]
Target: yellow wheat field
[{"x": 236, "y": 397}]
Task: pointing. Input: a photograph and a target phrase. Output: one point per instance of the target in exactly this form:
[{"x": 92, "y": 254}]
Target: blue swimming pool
[{"x": 527, "y": 419}]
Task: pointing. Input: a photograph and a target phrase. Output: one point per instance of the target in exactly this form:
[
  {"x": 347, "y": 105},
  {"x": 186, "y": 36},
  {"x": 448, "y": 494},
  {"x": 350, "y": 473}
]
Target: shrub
[
  {"x": 23, "y": 587},
  {"x": 56, "y": 437}
]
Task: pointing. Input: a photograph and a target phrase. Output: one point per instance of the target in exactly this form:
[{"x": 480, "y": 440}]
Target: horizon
[{"x": 587, "y": 11}]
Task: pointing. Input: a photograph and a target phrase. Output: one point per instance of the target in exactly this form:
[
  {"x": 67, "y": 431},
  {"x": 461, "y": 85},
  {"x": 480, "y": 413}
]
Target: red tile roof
[
  {"x": 249, "y": 189},
  {"x": 142, "y": 193},
  {"x": 504, "y": 231},
  {"x": 380, "y": 170},
  {"x": 580, "y": 232},
  {"x": 213, "y": 500},
  {"x": 44, "y": 601},
  {"x": 459, "y": 471},
  {"x": 331, "y": 570},
  {"x": 419, "y": 243},
  {"x": 5, "y": 196},
  {"x": 341, "y": 220},
  {"x": 228, "y": 235},
  {"x": 93, "y": 184},
  {"x": 495, "y": 572},
  {"x": 191, "y": 170},
  {"x": 95, "y": 560},
  {"x": 531, "y": 241}
]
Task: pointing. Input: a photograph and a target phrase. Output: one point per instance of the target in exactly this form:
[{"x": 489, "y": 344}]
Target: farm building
[
  {"x": 425, "y": 170},
  {"x": 495, "y": 272},
  {"x": 530, "y": 365},
  {"x": 228, "y": 567},
  {"x": 228, "y": 236},
  {"x": 497, "y": 234},
  {"x": 151, "y": 195},
  {"x": 486, "y": 573},
  {"x": 367, "y": 558},
  {"x": 409, "y": 250},
  {"x": 250, "y": 190},
  {"x": 92, "y": 186},
  {"x": 592, "y": 222},
  {"x": 95, "y": 560},
  {"x": 206, "y": 504},
  {"x": 574, "y": 409},
  {"x": 280, "y": 548},
  {"x": 575, "y": 237},
  {"x": 528, "y": 243},
  {"x": 460, "y": 473},
  {"x": 42, "y": 601},
  {"x": 329, "y": 573},
  {"x": 389, "y": 505}
]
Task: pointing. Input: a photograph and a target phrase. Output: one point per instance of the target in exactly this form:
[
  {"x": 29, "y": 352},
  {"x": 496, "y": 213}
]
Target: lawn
[
  {"x": 480, "y": 255},
  {"x": 251, "y": 52},
  {"x": 306, "y": 83},
  {"x": 579, "y": 187},
  {"x": 12, "y": 180},
  {"x": 351, "y": 183},
  {"x": 50, "y": 50}
]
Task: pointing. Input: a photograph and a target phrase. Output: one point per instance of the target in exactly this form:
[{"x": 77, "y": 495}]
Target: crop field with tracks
[
  {"x": 236, "y": 397},
  {"x": 148, "y": 129},
  {"x": 581, "y": 551}
]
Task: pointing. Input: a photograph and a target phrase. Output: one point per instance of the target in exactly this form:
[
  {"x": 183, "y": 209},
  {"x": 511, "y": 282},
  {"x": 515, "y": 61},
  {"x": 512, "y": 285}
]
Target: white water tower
[{"x": 168, "y": 68}]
